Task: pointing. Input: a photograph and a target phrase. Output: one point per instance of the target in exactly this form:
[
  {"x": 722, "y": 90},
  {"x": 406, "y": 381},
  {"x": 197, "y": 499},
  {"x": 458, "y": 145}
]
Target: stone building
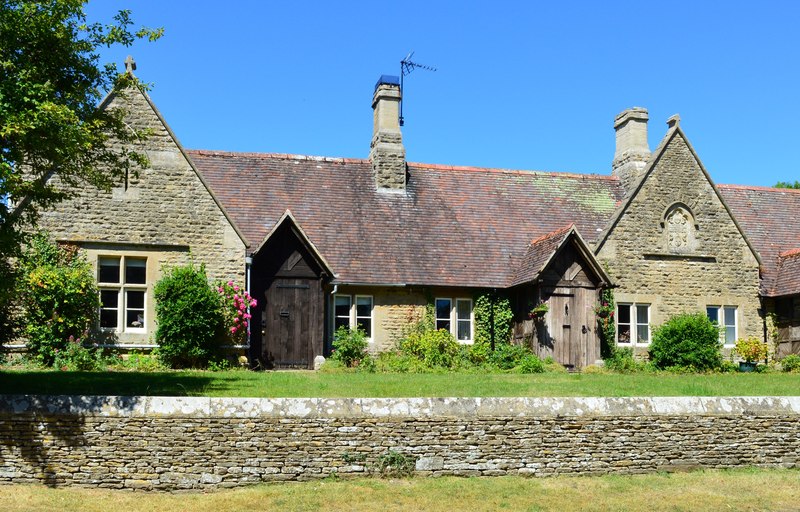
[{"x": 327, "y": 242}]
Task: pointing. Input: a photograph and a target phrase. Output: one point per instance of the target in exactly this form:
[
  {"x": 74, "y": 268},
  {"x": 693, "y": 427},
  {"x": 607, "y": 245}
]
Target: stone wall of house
[
  {"x": 397, "y": 309},
  {"x": 169, "y": 443},
  {"x": 165, "y": 214},
  {"x": 677, "y": 248}
]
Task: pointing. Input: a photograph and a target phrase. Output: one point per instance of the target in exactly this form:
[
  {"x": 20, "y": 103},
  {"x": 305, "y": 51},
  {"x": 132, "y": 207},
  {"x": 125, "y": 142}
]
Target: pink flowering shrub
[{"x": 235, "y": 304}]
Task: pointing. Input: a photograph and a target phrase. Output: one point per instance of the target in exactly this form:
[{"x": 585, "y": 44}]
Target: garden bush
[
  {"x": 433, "y": 348},
  {"x": 190, "y": 318},
  {"x": 236, "y": 302},
  {"x": 530, "y": 364},
  {"x": 507, "y": 355},
  {"x": 75, "y": 357},
  {"x": 623, "y": 361},
  {"x": 688, "y": 341},
  {"x": 58, "y": 298},
  {"x": 791, "y": 363},
  {"x": 350, "y": 346}
]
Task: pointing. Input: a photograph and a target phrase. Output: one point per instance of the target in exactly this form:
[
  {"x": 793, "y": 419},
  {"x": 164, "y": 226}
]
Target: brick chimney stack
[
  {"x": 632, "y": 152},
  {"x": 387, "y": 154}
]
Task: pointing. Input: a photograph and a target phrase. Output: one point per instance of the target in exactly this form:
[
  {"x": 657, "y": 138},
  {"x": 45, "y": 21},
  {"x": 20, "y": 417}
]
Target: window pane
[
  {"x": 443, "y": 307},
  {"x": 624, "y": 334},
  {"x": 713, "y": 313},
  {"x": 463, "y": 309},
  {"x": 108, "y": 318},
  {"x": 109, "y": 298},
  {"x": 624, "y": 313},
  {"x": 730, "y": 316},
  {"x": 135, "y": 271},
  {"x": 366, "y": 325},
  {"x": 642, "y": 314},
  {"x": 342, "y": 306},
  {"x": 134, "y": 299},
  {"x": 108, "y": 270},
  {"x": 134, "y": 318},
  {"x": 642, "y": 334},
  {"x": 443, "y": 324},
  {"x": 730, "y": 335},
  {"x": 341, "y": 322},
  {"x": 363, "y": 306},
  {"x": 464, "y": 330}
]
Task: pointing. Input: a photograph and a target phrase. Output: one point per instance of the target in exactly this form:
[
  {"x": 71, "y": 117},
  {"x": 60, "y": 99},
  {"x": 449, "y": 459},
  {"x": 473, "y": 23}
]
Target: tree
[
  {"x": 50, "y": 85},
  {"x": 788, "y": 184}
]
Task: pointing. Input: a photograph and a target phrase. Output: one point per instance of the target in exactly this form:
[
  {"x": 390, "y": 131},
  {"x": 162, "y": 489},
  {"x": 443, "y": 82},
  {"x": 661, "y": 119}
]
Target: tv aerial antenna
[{"x": 406, "y": 67}]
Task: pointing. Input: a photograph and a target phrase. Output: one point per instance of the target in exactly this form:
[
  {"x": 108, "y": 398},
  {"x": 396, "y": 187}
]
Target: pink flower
[
  {"x": 233, "y": 330},
  {"x": 230, "y": 283},
  {"x": 235, "y": 288}
]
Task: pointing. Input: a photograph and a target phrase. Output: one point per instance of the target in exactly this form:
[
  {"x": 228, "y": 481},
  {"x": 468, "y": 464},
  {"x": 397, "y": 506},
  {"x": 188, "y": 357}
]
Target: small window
[
  {"x": 443, "y": 314},
  {"x": 463, "y": 320},
  {"x": 351, "y": 314},
  {"x": 725, "y": 318},
  {"x": 364, "y": 314},
  {"x": 633, "y": 323},
  {"x": 123, "y": 295}
]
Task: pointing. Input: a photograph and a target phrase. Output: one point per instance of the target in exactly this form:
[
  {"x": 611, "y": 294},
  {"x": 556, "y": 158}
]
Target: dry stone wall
[{"x": 168, "y": 443}]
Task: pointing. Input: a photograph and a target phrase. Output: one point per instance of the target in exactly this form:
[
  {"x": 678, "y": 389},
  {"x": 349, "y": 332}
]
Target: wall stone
[
  {"x": 659, "y": 257},
  {"x": 173, "y": 443}
]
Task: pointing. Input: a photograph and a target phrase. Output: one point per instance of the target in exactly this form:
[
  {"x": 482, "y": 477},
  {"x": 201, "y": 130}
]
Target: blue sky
[{"x": 520, "y": 85}]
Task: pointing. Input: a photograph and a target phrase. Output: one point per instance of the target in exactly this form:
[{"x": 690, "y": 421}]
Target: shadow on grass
[{"x": 104, "y": 383}]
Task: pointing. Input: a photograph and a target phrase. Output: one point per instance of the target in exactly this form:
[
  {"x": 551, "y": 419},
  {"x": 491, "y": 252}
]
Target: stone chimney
[
  {"x": 632, "y": 152},
  {"x": 387, "y": 154}
]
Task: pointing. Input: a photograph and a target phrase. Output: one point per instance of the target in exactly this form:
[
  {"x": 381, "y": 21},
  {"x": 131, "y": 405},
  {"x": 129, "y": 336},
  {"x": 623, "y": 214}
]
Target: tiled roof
[
  {"x": 771, "y": 219},
  {"x": 539, "y": 253},
  {"x": 787, "y": 281},
  {"x": 455, "y": 226}
]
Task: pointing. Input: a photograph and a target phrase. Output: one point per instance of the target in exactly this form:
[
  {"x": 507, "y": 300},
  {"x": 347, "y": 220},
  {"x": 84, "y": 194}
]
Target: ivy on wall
[
  {"x": 605, "y": 323},
  {"x": 492, "y": 308}
]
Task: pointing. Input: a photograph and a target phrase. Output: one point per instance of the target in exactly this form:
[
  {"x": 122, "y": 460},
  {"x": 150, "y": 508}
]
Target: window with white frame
[
  {"x": 725, "y": 318},
  {"x": 455, "y": 315},
  {"x": 633, "y": 323},
  {"x": 122, "y": 281},
  {"x": 351, "y": 313}
]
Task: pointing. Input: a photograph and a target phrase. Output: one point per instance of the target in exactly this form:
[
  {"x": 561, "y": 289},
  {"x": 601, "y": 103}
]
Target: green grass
[
  {"x": 312, "y": 384},
  {"x": 747, "y": 489}
]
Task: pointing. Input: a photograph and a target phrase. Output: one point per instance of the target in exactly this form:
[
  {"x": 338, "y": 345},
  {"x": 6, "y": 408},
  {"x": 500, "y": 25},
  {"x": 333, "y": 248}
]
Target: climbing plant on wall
[
  {"x": 489, "y": 308},
  {"x": 605, "y": 323}
]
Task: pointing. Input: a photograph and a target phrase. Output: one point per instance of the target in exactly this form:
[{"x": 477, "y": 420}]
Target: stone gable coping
[{"x": 488, "y": 407}]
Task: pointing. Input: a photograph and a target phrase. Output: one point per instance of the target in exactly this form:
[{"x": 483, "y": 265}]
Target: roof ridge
[
  {"x": 552, "y": 234},
  {"x": 470, "y": 168},
  {"x": 275, "y": 156},
  {"x": 759, "y": 187}
]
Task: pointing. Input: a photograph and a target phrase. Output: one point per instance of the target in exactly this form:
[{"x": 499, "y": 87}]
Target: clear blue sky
[{"x": 520, "y": 85}]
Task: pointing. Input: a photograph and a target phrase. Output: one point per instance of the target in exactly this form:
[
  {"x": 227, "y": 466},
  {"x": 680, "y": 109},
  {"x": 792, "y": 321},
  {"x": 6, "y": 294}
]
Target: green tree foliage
[
  {"x": 191, "y": 323},
  {"x": 59, "y": 298},
  {"x": 688, "y": 341},
  {"x": 50, "y": 85},
  {"x": 788, "y": 184}
]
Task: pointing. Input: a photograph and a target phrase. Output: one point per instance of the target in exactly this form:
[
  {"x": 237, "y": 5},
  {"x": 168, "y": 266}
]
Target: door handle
[{"x": 584, "y": 329}]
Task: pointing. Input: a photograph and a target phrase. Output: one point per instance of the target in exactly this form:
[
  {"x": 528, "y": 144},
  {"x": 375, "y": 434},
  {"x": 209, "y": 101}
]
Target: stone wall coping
[{"x": 417, "y": 408}]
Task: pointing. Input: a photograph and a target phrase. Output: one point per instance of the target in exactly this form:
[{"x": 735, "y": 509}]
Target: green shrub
[
  {"x": 58, "y": 296},
  {"x": 190, "y": 318},
  {"x": 433, "y": 348},
  {"x": 622, "y": 361},
  {"x": 687, "y": 341},
  {"x": 349, "y": 346},
  {"x": 791, "y": 363},
  {"x": 508, "y": 355},
  {"x": 490, "y": 307},
  {"x": 552, "y": 366},
  {"x": 75, "y": 357},
  {"x": 399, "y": 362},
  {"x": 530, "y": 364},
  {"x": 137, "y": 362}
]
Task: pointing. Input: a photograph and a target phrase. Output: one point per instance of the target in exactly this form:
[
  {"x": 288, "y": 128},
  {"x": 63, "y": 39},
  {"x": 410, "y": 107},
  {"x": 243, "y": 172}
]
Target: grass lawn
[
  {"x": 312, "y": 384},
  {"x": 747, "y": 489}
]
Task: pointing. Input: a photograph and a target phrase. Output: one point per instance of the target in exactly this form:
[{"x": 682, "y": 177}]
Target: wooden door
[
  {"x": 569, "y": 327},
  {"x": 291, "y": 318}
]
